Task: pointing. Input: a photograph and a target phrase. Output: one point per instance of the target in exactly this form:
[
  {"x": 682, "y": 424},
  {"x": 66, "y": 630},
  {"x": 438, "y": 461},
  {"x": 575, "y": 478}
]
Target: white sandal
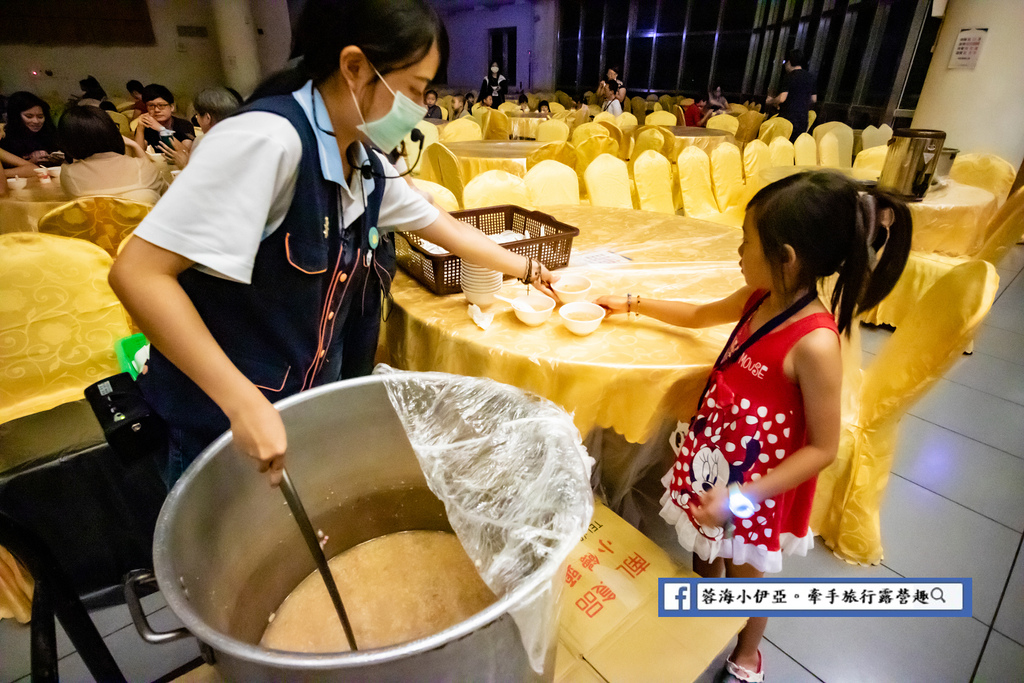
[{"x": 734, "y": 673}]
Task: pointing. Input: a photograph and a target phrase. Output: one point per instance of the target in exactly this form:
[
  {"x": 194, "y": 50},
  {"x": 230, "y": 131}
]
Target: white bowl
[
  {"x": 17, "y": 183},
  {"x": 54, "y": 171},
  {"x": 480, "y": 298},
  {"x": 155, "y": 156},
  {"x": 571, "y": 288},
  {"x": 541, "y": 305},
  {"x": 581, "y": 318}
]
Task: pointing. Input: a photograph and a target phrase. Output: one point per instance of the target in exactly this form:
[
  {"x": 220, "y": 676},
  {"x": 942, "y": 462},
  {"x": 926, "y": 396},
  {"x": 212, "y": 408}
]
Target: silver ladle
[{"x": 302, "y": 519}]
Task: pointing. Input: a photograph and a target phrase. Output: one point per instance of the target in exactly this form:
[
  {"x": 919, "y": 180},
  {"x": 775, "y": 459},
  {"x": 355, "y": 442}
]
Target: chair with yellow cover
[
  {"x": 443, "y": 197},
  {"x": 589, "y": 97},
  {"x": 626, "y": 122},
  {"x": 934, "y": 334},
  {"x": 507, "y": 108},
  {"x": 552, "y": 131},
  {"x": 445, "y": 169},
  {"x": 727, "y": 175},
  {"x": 812, "y": 116},
  {"x": 652, "y": 175},
  {"x": 104, "y": 221},
  {"x": 444, "y": 112},
  {"x": 748, "y": 126},
  {"x": 607, "y": 182},
  {"x": 494, "y": 188},
  {"x": 775, "y": 127},
  {"x": 737, "y": 108},
  {"x": 844, "y": 140},
  {"x": 730, "y": 124},
  {"x": 498, "y": 127},
  {"x": 869, "y": 162},
  {"x": 680, "y": 115},
  {"x": 875, "y": 137},
  {"x": 828, "y": 150},
  {"x": 605, "y": 116},
  {"x": 924, "y": 269},
  {"x": 781, "y": 153},
  {"x": 756, "y": 158},
  {"x": 562, "y": 98},
  {"x": 60, "y": 321},
  {"x": 430, "y": 137},
  {"x": 660, "y": 118},
  {"x": 805, "y": 150},
  {"x": 685, "y": 102},
  {"x": 587, "y": 130},
  {"x": 551, "y": 183},
  {"x": 461, "y": 130},
  {"x": 627, "y": 105},
  {"x": 591, "y": 148},
  {"x": 653, "y": 138},
  {"x": 667, "y": 102},
  {"x": 621, "y": 140},
  {"x": 133, "y": 125},
  {"x": 124, "y": 126},
  {"x": 482, "y": 115},
  {"x": 556, "y": 107},
  {"x": 639, "y": 110},
  {"x": 695, "y": 185},
  {"x": 562, "y": 152},
  {"x": 987, "y": 171}
]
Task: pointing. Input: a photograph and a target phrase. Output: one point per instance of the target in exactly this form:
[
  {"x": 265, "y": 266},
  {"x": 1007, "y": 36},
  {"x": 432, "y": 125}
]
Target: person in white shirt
[
  {"x": 96, "y": 163},
  {"x": 241, "y": 290},
  {"x": 609, "y": 95}
]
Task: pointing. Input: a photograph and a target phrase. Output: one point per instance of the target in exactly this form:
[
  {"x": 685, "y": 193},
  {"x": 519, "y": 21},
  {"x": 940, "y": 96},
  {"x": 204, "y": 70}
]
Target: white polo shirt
[{"x": 239, "y": 184}]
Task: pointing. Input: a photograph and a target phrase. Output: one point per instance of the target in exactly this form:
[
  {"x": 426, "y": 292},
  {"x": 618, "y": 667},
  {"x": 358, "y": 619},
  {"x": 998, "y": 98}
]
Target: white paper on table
[{"x": 482, "y": 320}]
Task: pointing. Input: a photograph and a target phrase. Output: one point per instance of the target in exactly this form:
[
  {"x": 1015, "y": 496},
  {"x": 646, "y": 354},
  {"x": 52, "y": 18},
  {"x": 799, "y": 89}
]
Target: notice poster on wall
[{"x": 967, "y": 48}]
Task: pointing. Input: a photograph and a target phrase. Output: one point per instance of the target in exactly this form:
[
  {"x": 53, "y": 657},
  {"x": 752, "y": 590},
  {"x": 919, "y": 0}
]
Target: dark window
[
  {"x": 922, "y": 59},
  {"x": 614, "y": 54},
  {"x": 593, "y": 18},
  {"x": 739, "y": 15},
  {"x": 570, "y": 26},
  {"x": 618, "y": 18},
  {"x": 673, "y": 16},
  {"x": 732, "y": 60},
  {"x": 640, "y": 62},
  {"x": 704, "y": 16},
  {"x": 591, "y": 64},
  {"x": 666, "y": 68},
  {"x": 567, "y": 64},
  {"x": 645, "y": 12},
  {"x": 858, "y": 46},
  {"x": 696, "y": 74},
  {"x": 901, "y": 15}
]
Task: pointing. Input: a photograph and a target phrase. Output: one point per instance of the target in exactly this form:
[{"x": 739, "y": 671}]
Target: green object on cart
[{"x": 126, "y": 349}]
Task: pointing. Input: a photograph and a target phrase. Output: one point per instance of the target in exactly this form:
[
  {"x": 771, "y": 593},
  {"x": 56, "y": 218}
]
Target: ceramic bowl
[
  {"x": 542, "y": 307},
  {"x": 17, "y": 183},
  {"x": 581, "y": 318},
  {"x": 571, "y": 288}
]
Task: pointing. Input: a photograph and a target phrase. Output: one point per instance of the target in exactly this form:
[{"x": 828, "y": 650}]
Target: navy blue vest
[{"x": 311, "y": 314}]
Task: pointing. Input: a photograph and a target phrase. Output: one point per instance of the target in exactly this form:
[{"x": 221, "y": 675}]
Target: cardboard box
[{"x": 609, "y": 628}]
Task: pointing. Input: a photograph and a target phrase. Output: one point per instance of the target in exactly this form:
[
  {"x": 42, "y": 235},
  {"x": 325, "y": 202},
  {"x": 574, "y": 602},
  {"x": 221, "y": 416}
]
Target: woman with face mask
[
  {"x": 261, "y": 272},
  {"x": 496, "y": 84}
]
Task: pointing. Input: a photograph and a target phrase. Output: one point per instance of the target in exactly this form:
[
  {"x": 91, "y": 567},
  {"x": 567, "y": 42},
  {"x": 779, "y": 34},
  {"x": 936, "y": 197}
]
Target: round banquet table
[
  {"x": 477, "y": 156},
  {"x": 693, "y": 136},
  {"x": 524, "y": 126},
  {"x": 21, "y": 210},
  {"x": 952, "y": 219}
]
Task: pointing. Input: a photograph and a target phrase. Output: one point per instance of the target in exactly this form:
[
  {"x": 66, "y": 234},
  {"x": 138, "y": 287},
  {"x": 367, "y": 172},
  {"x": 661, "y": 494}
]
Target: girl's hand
[
  {"x": 259, "y": 432},
  {"x": 177, "y": 155},
  {"x": 713, "y": 509},
  {"x": 544, "y": 282},
  {"x": 612, "y": 304}
]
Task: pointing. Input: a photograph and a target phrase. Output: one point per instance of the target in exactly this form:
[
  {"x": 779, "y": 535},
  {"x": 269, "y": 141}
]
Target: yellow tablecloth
[
  {"x": 705, "y": 138},
  {"x": 487, "y": 155},
  {"x": 21, "y": 210},
  {"x": 525, "y": 126},
  {"x": 629, "y": 375},
  {"x": 951, "y": 219}
]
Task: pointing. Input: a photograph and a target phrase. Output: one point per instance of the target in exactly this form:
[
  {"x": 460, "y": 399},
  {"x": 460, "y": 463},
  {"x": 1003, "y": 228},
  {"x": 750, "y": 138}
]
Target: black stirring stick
[{"x": 302, "y": 519}]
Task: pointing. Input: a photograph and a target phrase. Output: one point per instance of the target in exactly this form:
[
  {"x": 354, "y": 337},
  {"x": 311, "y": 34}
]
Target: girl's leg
[
  {"x": 709, "y": 570},
  {"x": 745, "y": 654}
]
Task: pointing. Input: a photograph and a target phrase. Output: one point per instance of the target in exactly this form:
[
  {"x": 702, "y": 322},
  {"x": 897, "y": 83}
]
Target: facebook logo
[{"x": 674, "y": 597}]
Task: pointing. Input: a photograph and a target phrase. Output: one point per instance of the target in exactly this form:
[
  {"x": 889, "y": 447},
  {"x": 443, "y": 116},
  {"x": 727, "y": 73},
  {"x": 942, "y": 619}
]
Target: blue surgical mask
[{"x": 389, "y": 130}]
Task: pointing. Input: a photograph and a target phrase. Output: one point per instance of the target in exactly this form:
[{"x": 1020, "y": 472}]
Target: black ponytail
[
  {"x": 393, "y": 34},
  {"x": 834, "y": 227}
]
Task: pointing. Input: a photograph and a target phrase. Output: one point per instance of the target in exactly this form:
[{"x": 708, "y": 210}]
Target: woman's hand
[
  {"x": 177, "y": 155},
  {"x": 258, "y": 430},
  {"x": 612, "y": 304},
  {"x": 713, "y": 509},
  {"x": 544, "y": 281},
  {"x": 38, "y": 156}
]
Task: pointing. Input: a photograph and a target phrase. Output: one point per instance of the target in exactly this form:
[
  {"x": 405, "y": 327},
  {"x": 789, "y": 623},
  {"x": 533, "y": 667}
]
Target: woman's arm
[
  {"x": 680, "y": 313},
  {"x": 134, "y": 149},
  {"x": 145, "y": 279},
  {"x": 476, "y": 247},
  {"x": 19, "y": 167}
]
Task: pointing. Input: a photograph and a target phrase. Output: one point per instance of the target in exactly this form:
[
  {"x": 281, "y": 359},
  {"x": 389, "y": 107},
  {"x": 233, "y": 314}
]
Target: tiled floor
[{"x": 954, "y": 507}]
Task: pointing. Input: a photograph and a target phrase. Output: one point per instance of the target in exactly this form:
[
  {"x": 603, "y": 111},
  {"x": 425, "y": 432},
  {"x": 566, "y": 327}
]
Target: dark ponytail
[
  {"x": 393, "y": 34},
  {"x": 834, "y": 227}
]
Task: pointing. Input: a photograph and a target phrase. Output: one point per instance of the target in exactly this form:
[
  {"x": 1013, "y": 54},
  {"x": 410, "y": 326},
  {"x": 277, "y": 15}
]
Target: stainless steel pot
[
  {"x": 945, "y": 164},
  {"x": 227, "y": 552},
  {"x": 910, "y": 162}
]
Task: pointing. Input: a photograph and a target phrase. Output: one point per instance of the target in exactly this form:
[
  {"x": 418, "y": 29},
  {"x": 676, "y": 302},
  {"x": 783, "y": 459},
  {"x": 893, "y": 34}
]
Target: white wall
[
  {"x": 980, "y": 110},
  {"x": 185, "y": 65},
  {"x": 535, "y": 22}
]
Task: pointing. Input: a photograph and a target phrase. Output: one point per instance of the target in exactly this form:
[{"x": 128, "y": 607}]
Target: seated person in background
[
  {"x": 92, "y": 92},
  {"x": 135, "y": 89},
  {"x": 98, "y": 165},
  {"x": 697, "y": 114},
  {"x": 30, "y": 133},
  {"x": 609, "y": 98},
  {"x": 159, "y": 116},
  {"x": 458, "y": 107},
  {"x": 544, "y": 108},
  {"x": 717, "y": 102},
  {"x": 470, "y": 101},
  {"x": 524, "y": 103},
  {"x": 212, "y": 106},
  {"x": 487, "y": 99},
  {"x": 430, "y": 99}
]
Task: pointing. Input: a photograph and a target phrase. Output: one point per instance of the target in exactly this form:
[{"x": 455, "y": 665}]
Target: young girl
[{"x": 740, "y": 491}]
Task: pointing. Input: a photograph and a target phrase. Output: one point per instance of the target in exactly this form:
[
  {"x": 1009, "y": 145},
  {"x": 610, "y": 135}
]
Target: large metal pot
[
  {"x": 227, "y": 552},
  {"x": 910, "y": 162}
]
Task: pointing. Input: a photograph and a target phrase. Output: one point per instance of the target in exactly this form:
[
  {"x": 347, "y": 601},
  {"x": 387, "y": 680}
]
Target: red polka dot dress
[{"x": 752, "y": 419}]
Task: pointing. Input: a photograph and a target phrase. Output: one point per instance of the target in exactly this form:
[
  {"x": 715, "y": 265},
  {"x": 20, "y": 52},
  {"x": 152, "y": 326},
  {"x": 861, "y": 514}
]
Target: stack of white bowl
[{"x": 480, "y": 284}]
